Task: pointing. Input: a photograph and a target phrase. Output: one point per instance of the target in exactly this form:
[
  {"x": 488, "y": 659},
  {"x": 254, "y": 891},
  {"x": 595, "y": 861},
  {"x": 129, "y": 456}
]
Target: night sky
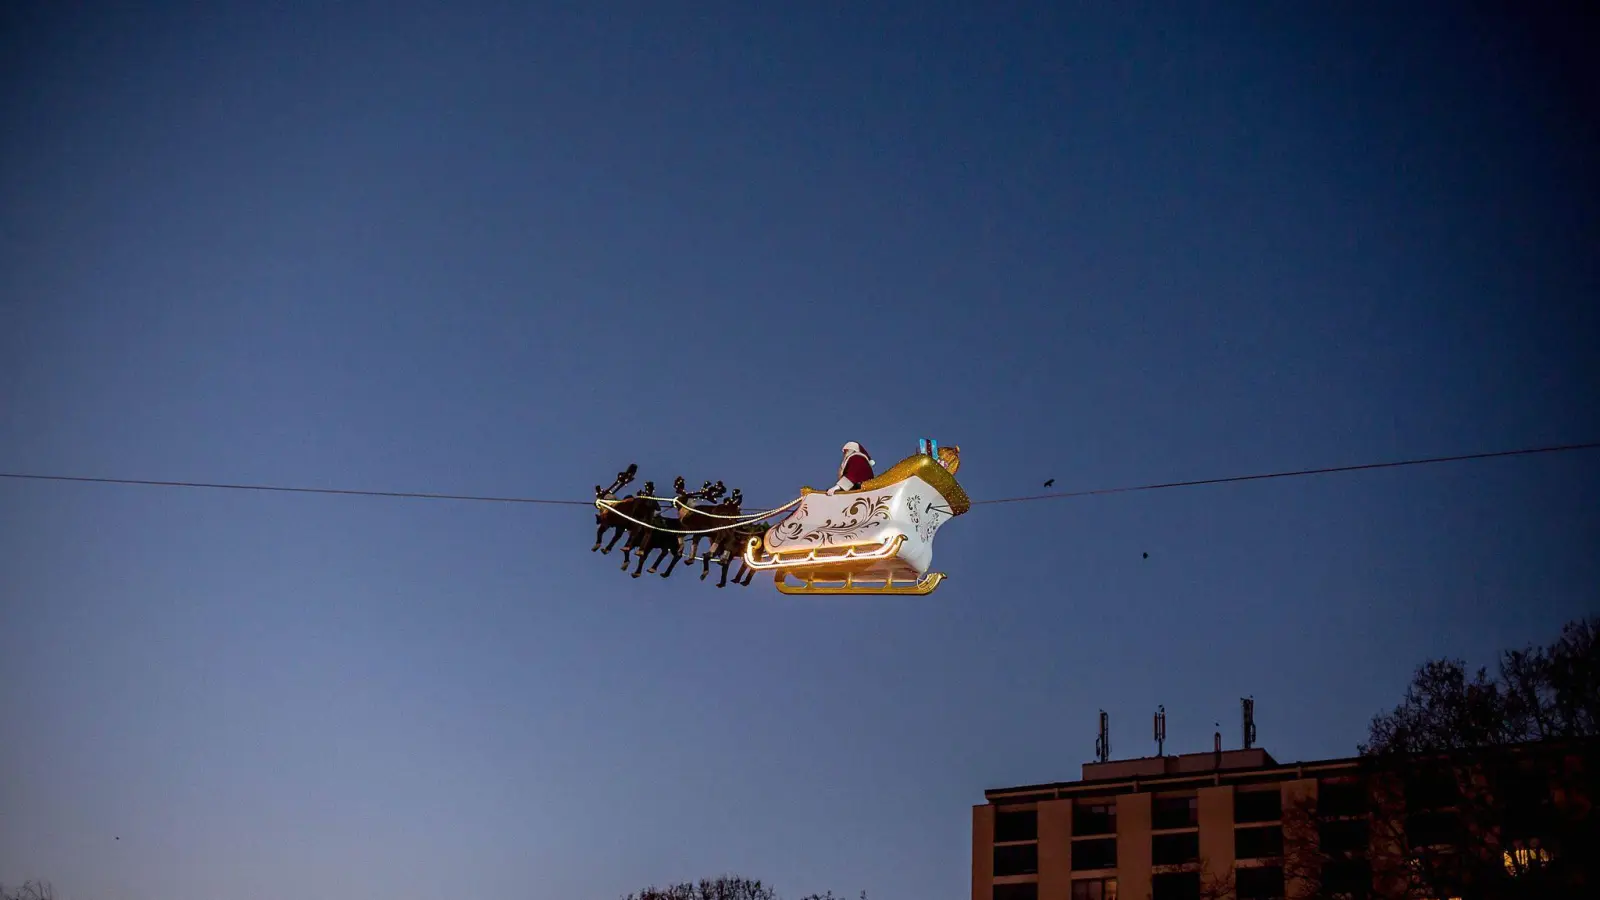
[{"x": 508, "y": 248}]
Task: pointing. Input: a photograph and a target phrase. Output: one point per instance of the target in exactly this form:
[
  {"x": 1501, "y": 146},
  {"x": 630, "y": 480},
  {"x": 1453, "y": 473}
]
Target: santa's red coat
[{"x": 857, "y": 469}]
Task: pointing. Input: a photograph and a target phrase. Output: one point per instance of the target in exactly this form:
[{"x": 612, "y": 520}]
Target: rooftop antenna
[
  {"x": 1248, "y": 706},
  {"x": 1161, "y": 730},
  {"x": 1102, "y": 744},
  {"x": 1216, "y": 744}
]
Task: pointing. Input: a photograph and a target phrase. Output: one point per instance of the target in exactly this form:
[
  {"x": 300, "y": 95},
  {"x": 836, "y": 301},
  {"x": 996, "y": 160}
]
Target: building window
[
  {"x": 1174, "y": 849},
  {"x": 1016, "y": 859},
  {"x": 1096, "y": 854},
  {"x": 1343, "y": 836},
  {"x": 1257, "y": 806},
  {"x": 1430, "y": 789},
  {"x": 1528, "y": 807},
  {"x": 1342, "y": 798},
  {"x": 1175, "y": 812},
  {"x": 1094, "y": 818},
  {"x": 1347, "y": 877},
  {"x": 1263, "y": 883},
  {"x": 1019, "y": 891},
  {"x": 1433, "y": 829},
  {"x": 1521, "y": 859},
  {"x": 1258, "y": 843},
  {"x": 1175, "y": 886},
  {"x": 1094, "y": 889},
  {"x": 1016, "y": 825},
  {"x": 1522, "y": 819}
]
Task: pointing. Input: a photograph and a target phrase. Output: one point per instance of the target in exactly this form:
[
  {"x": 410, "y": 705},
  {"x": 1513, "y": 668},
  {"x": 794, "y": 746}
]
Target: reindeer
[
  {"x": 691, "y": 517},
  {"x": 645, "y": 539},
  {"x": 729, "y": 544},
  {"x": 708, "y": 491},
  {"x": 634, "y": 505},
  {"x": 624, "y": 478},
  {"x": 715, "y": 516},
  {"x": 716, "y": 539}
]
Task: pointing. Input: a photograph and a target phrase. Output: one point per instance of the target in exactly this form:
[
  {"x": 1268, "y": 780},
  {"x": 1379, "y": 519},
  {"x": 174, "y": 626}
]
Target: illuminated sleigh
[{"x": 876, "y": 540}]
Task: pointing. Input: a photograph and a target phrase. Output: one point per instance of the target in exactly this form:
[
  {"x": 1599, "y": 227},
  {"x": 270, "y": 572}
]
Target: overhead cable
[
  {"x": 1295, "y": 473},
  {"x": 410, "y": 495},
  {"x": 1061, "y": 495}
]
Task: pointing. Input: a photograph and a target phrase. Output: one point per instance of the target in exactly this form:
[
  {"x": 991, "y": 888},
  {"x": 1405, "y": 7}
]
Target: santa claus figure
[{"x": 855, "y": 469}]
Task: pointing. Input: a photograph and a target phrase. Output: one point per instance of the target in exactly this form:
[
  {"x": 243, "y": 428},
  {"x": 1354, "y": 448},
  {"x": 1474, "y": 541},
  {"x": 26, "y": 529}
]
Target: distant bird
[
  {"x": 1050, "y": 482},
  {"x": 1147, "y": 556}
]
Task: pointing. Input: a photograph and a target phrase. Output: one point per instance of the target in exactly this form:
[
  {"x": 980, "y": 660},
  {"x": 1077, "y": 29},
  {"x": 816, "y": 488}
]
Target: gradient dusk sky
[{"x": 510, "y": 247}]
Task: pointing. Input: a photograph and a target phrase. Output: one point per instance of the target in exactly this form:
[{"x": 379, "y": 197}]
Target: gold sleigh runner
[{"x": 876, "y": 539}]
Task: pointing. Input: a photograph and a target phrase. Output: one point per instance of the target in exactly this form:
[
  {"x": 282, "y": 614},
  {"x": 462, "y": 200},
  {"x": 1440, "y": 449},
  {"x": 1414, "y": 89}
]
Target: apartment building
[{"x": 1214, "y": 825}]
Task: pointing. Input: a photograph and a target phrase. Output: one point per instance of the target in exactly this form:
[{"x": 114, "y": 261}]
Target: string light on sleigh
[{"x": 868, "y": 534}]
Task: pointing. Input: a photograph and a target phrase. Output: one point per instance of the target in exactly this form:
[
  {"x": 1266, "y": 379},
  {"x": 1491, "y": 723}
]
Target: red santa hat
[{"x": 853, "y": 447}]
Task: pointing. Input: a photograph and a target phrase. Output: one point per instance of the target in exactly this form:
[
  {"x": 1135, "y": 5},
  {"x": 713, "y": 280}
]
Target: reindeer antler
[{"x": 623, "y": 478}]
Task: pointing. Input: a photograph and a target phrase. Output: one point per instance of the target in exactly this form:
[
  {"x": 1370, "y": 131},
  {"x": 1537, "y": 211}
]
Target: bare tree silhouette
[
  {"x": 30, "y": 890},
  {"x": 723, "y": 887},
  {"x": 1472, "y": 787},
  {"x": 1483, "y": 786}
]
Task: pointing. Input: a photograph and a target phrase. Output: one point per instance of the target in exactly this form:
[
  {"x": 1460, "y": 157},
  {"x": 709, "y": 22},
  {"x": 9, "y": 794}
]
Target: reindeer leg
[
  {"x": 629, "y": 548},
  {"x": 621, "y": 530},
  {"x": 672, "y": 565},
  {"x": 642, "y": 552},
  {"x": 599, "y": 535},
  {"x": 638, "y": 538},
  {"x": 705, "y": 561}
]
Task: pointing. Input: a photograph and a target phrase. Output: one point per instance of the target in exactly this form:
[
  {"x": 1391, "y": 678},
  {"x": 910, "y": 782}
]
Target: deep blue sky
[{"x": 507, "y": 248}]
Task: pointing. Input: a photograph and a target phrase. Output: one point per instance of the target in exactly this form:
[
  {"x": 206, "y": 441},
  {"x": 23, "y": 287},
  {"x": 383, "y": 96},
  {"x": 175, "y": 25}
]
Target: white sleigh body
[{"x": 875, "y": 540}]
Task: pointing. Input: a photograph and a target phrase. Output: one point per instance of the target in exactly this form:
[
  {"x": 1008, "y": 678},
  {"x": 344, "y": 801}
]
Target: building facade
[{"x": 1239, "y": 824}]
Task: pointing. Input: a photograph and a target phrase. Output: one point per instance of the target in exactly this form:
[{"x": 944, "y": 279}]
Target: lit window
[
  {"x": 1095, "y": 889},
  {"x": 1521, "y": 859}
]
